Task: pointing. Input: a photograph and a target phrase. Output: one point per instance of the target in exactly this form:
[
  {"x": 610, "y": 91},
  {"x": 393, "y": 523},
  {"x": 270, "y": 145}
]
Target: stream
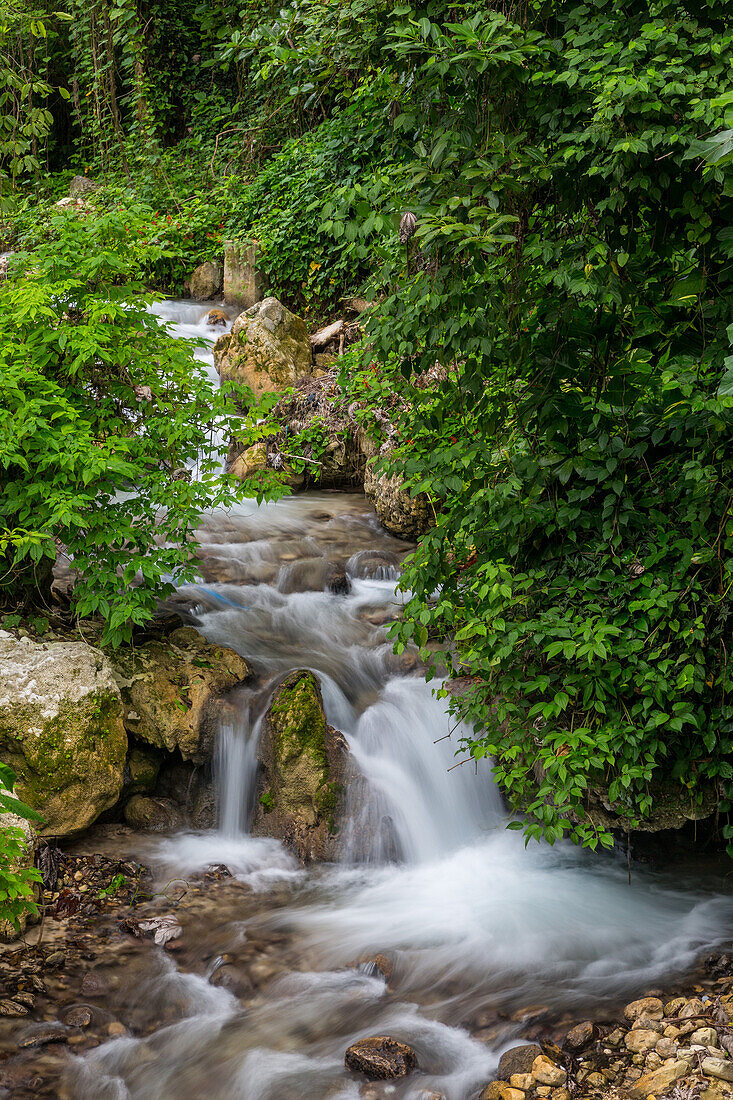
[{"x": 482, "y": 933}]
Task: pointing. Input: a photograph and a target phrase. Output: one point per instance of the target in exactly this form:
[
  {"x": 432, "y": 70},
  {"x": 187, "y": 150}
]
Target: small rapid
[{"x": 481, "y": 932}]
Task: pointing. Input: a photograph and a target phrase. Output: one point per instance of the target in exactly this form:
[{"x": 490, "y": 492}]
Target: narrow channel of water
[{"x": 475, "y": 925}]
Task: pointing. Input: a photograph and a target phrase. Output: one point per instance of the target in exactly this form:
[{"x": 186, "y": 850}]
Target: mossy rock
[
  {"x": 141, "y": 771},
  {"x": 173, "y": 691},
  {"x": 268, "y": 349},
  {"x": 61, "y": 729},
  {"x": 304, "y": 765}
]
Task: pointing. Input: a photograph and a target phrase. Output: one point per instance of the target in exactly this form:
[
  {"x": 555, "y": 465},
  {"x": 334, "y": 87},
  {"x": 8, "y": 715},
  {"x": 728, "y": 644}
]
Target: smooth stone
[
  {"x": 646, "y": 1006},
  {"x": 639, "y": 1042},
  {"x": 659, "y": 1081},
  {"x": 517, "y": 1059},
  {"x": 718, "y": 1067},
  {"x": 546, "y": 1072}
]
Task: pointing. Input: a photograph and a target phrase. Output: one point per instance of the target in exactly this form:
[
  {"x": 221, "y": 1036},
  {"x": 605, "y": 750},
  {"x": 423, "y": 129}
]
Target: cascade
[{"x": 471, "y": 918}]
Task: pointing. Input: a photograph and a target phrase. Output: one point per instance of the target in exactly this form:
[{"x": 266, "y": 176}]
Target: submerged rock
[
  {"x": 61, "y": 729},
  {"x": 381, "y": 1057},
  {"x": 268, "y": 348},
  {"x": 172, "y": 691},
  {"x": 303, "y": 762}
]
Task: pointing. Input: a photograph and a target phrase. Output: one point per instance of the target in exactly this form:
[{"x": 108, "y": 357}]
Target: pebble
[
  {"x": 705, "y": 1036},
  {"x": 580, "y": 1036},
  {"x": 666, "y": 1048},
  {"x": 116, "y": 1029},
  {"x": 695, "y": 1007},
  {"x": 646, "y": 1006},
  {"x": 639, "y": 1042},
  {"x": 658, "y": 1082},
  {"x": 546, "y": 1072},
  {"x": 721, "y": 1068},
  {"x": 78, "y": 1016}
]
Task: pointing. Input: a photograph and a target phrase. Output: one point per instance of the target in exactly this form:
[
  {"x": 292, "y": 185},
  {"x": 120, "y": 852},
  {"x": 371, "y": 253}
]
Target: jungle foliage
[{"x": 570, "y": 167}]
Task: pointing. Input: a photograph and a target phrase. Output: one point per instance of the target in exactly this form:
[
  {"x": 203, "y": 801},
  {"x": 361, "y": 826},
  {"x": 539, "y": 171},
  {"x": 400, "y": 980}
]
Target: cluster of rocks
[
  {"x": 269, "y": 350},
  {"x": 90, "y": 733},
  {"x": 680, "y": 1048}
]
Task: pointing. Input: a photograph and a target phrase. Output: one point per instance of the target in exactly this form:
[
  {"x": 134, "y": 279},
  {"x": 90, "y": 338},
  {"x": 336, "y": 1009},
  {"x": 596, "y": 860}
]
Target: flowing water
[{"x": 483, "y": 934}]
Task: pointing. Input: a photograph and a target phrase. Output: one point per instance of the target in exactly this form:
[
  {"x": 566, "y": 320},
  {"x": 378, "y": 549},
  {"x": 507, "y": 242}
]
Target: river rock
[
  {"x": 61, "y": 729},
  {"x": 268, "y": 348},
  {"x": 403, "y": 515},
  {"x": 217, "y": 318},
  {"x": 205, "y": 281},
  {"x": 705, "y": 1036},
  {"x": 519, "y": 1059},
  {"x": 303, "y": 764},
  {"x": 172, "y": 691},
  {"x": 641, "y": 1041},
  {"x": 546, "y": 1072},
  {"x": 381, "y": 1057},
  {"x": 645, "y": 1006},
  {"x": 9, "y": 931},
  {"x": 39, "y": 1035},
  {"x": 722, "y": 1068},
  {"x": 659, "y": 1081},
  {"x": 499, "y": 1090},
  {"x": 580, "y": 1036},
  {"x": 154, "y": 814}
]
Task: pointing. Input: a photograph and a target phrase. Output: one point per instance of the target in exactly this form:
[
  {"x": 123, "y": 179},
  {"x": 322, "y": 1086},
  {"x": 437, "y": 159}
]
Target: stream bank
[{"x": 280, "y": 968}]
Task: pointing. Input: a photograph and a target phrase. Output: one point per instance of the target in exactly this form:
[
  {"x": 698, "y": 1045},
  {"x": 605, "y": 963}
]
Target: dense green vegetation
[{"x": 570, "y": 167}]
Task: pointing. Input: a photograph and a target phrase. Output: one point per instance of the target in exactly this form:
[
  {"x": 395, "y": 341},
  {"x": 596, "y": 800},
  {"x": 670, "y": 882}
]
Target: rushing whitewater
[{"x": 473, "y": 922}]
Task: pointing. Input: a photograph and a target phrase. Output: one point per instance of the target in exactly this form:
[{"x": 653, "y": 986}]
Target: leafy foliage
[
  {"x": 108, "y": 427},
  {"x": 17, "y": 878}
]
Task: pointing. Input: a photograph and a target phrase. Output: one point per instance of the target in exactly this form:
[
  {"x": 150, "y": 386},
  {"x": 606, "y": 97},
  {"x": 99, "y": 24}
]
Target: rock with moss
[
  {"x": 174, "y": 689},
  {"x": 304, "y": 766},
  {"x": 153, "y": 814},
  {"x": 268, "y": 348},
  {"x": 141, "y": 771},
  {"x": 61, "y": 729}
]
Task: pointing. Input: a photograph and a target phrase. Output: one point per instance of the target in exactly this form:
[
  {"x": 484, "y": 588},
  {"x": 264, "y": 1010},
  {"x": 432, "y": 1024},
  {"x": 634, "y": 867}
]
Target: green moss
[
  {"x": 298, "y": 723},
  {"x": 267, "y": 801},
  {"x": 83, "y": 743}
]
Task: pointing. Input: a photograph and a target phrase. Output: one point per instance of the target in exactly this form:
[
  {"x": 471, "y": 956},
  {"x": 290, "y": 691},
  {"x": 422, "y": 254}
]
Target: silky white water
[{"x": 473, "y": 921}]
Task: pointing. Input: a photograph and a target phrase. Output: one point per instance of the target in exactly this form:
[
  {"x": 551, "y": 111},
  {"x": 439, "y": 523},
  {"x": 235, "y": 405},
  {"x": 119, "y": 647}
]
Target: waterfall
[{"x": 475, "y": 924}]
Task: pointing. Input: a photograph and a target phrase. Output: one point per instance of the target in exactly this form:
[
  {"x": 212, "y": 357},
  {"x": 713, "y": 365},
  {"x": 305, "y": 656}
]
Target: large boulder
[
  {"x": 403, "y": 515},
  {"x": 61, "y": 729},
  {"x": 205, "y": 281},
  {"x": 303, "y": 763},
  {"x": 268, "y": 348},
  {"x": 172, "y": 690}
]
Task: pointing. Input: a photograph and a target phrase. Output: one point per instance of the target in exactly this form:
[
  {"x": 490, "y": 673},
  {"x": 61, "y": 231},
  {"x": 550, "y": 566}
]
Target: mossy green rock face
[
  {"x": 172, "y": 691},
  {"x": 61, "y": 730},
  {"x": 302, "y": 771},
  {"x": 268, "y": 348}
]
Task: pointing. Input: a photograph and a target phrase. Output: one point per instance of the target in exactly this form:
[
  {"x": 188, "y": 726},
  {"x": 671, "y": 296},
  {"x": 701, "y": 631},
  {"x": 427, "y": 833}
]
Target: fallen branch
[{"x": 325, "y": 335}]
